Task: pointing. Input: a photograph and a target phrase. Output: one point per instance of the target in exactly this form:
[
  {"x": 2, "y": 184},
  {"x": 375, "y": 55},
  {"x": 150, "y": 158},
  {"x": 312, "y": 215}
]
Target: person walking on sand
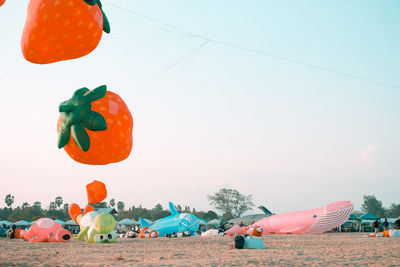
[
  {"x": 376, "y": 226},
  {"x": 385, "y": 225}
]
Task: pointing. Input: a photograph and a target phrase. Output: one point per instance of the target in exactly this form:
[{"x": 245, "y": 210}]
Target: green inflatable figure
[{"x": 95, "y": 227}]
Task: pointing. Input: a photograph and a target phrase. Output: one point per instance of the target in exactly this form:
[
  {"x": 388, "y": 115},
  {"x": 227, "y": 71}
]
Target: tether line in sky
[
  {"x": 185, "y": 56},
  {"x": 293, "y": 61}
]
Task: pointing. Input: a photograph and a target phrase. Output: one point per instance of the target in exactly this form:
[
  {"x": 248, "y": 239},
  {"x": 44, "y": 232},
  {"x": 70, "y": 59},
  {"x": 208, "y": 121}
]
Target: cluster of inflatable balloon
[
  {"x": 98, "y": 120},
  {"x": 95, "y": 227}
]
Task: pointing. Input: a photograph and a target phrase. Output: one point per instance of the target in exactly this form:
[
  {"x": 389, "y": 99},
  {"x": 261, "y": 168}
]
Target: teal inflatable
[{"x": 175, "y": 223}]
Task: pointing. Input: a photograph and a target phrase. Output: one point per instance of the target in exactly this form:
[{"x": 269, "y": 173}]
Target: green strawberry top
[{"x": 77, "y": 116}]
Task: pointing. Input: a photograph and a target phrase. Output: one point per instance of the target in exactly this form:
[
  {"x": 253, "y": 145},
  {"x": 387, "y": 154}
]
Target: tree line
[
  {"x": 229, "y": 202},
  {"x": 373, "y": 205},
  {"x": 57, "y": 209}
]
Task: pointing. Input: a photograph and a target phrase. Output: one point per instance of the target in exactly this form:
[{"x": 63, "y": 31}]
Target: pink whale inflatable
[
  {"x": 47, "y": 230},
  {"x": 313, "y": 221}
]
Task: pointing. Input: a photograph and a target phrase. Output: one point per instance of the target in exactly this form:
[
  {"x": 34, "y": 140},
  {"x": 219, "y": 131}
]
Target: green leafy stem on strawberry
[
  {"x": 77, "y": 116},
  {"x": 106, "y": 23}
]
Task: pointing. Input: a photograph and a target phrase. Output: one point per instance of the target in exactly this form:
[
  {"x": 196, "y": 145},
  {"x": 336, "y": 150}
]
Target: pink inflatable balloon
[
  {"x": 47, "y": 230},
  {"x": 313, "y": 221}
]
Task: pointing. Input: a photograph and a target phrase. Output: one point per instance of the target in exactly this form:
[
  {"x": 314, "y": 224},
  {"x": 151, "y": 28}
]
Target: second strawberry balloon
[
  {"x": 57, "y": 30},
  {"x": 95, "y": 127}
]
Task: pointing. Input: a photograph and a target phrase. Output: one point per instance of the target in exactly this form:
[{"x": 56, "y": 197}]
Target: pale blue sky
[{"x": 292, "y": 136}]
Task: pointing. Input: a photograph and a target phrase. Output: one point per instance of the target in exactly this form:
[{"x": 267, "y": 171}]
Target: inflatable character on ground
[
  {"x": 314, "y": 221},
  {"x": 146, "y": 232},
  {"x": 386, "y": 233},
  {"x": 46, "y": 230},
  {"x": 253, "y": 230},
  {"x": 95, "y": 227},
  {"x": 213, "y": 233},
  {"x": 246, "y": 241},
  {"x": 173, "y": 224}
]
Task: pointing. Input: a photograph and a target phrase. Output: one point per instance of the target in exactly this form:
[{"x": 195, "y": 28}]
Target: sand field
[{"x": 288, "y": 250}]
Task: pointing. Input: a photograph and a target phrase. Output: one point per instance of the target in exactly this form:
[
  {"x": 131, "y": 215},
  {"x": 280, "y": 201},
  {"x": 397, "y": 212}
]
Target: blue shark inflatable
[{"x": 175, "y": 223}]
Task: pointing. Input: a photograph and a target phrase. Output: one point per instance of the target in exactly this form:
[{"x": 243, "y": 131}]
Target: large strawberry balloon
[
  {"x": 2, "y": 2},
  {"x": 58, "y": 30},
  {"x": 100, "y": 125}
]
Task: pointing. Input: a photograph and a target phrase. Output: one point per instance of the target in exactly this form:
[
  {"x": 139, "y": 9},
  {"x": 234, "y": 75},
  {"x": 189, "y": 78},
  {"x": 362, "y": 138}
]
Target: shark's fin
[
  {"x": 143, "y": 222},
  {"x": 172, "y": 209},
  {"x": 265, "y": 210}
]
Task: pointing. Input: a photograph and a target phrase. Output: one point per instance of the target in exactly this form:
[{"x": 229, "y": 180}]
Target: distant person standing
[
  {"x": 376, "y": 226},
  {"x": 11, "y": 232},
  {"x": 397, "y": 223},
  {"x": 385, "y": 225}
]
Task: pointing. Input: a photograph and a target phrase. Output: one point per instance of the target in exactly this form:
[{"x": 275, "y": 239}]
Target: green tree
[
  {"x": 52, "y": 206},
  {"x": 58, "y": 201},
  {"x": 112, "y": 203},
  {"x": 210, "y": 215},
  {"x": 158, "y": 212},
  {"x": 231, "y": 202},
  {"x": 120, "y": 206},
  {"x": 25, "y": 205},
  {"x": 99, "y": 205},
  {"x": 158, "y": 207},
  {"x": 373, "y": 205},
  {"x": 37, "y": 204},
  {"x": 179, "y": 208},
  {"x": 9, "y": 200},
  {"x": 394, "y": 210}
]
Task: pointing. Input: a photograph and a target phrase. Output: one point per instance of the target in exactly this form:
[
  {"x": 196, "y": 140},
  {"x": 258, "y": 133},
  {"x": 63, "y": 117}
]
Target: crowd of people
[{"x": 385, "y": 224}]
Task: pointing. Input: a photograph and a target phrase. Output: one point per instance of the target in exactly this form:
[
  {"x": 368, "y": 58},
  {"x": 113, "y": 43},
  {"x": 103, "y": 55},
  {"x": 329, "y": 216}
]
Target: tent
[
  {"x": 22, "y": 223},
  {"x": 214, "y": 222},
  {"x": 60, "y": 221},
  {"x": 369, "y": 216},
  {"x": 353, "y": 218},
  {"x": 202, "y": 221},
  {"x": 5, "y": 222},
  {"x": 70, "y": 222},
  {"x": 108, "y": 210},
  {"x": 127, "y": 222}
]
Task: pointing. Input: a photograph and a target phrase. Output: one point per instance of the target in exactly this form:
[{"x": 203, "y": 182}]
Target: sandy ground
[{"x": 290, "y": 250}]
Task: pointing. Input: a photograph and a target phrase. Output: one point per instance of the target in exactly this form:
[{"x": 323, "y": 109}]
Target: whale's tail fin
[
  {"x": 172, "y": 209},
  {"x": 265, "y": 210}
]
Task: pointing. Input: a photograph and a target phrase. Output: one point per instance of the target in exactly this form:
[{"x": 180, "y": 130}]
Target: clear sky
[{"x": 292, "y": 136}]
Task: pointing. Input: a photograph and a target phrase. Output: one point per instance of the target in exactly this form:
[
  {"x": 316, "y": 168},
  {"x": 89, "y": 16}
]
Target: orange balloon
[
  {"x": 96, "y": 192},
  {"x": 111, "y": 145},
  {"x": 74, "y": 210},
  {"x": 2, "y": 2},
  {"x": 88, "y": 209},
  {"x": 58, "y": 30}
]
